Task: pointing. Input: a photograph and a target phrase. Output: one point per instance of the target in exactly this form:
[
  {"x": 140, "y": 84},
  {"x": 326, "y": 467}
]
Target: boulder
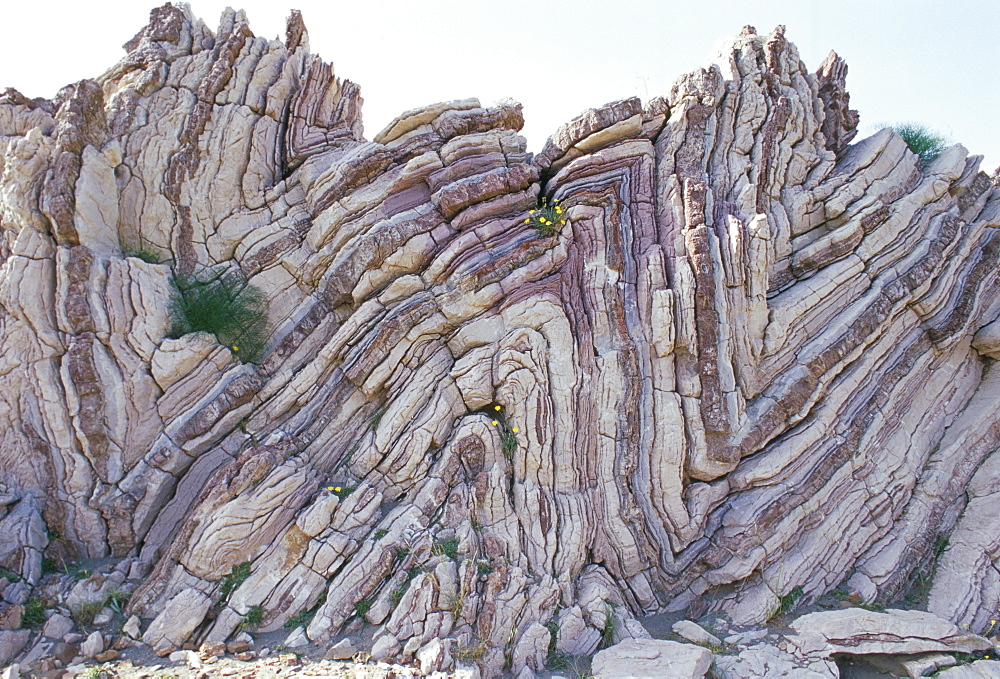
[
  {"x": 179, "y": 618},
  {"x": 342, "y": 650},
  {"x": 857, "y": 631},
  {"x": 651, "y": 658},
  {"x": 695, "y": 633}
]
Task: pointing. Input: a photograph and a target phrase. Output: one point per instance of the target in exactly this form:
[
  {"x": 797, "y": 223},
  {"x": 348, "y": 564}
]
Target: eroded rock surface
[{"x": 745, "y": 368}]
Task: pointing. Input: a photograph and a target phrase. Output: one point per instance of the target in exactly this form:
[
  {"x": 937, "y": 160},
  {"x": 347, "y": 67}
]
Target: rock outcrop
[{"x": 756, "y": 363}]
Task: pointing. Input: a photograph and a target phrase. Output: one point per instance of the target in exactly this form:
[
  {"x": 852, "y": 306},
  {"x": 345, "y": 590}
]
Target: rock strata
[{"x": 757, "y": 363}]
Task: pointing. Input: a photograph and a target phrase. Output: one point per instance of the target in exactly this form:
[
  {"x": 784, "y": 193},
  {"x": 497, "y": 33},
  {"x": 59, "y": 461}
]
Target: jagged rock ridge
[{"x": 758, "y": 360}]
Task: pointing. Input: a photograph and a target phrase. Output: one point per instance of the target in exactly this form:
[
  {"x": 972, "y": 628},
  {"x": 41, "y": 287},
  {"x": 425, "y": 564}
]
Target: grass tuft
[
  {"x": 470, "y": 654},
  {"x": 508, "y": 444},
  {"x": 610, "y": 626},
  {"x": 117, "y": 599},
  {"x": 787, "y": 602},
  {"x": 84, "y": 614},
  {"x": 448, "y": 548},
  {"x": 236, "y": 313},
  {"x": 923, "y": 141}
]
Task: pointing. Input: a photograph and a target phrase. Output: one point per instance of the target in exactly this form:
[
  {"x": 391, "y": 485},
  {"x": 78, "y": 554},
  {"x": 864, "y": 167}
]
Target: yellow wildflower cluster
[{"x": 548, "y": 218}]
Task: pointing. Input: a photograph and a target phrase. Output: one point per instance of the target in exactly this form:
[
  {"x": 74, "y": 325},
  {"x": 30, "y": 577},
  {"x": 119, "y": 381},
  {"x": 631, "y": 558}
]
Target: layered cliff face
[{"x": 757, "y": 360}]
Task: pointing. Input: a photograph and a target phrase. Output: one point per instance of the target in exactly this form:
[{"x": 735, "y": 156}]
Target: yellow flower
[
  {"x": 235, "y": 348},
  {"x": 330, "y": 488},
  {"x": 495, "y": 423},
  {"x": 496, "y": 407},
  {"x": 337, "y": 489},
  {"x": 526, "y": 221},
  {"x": 531, "y": 212},
  {"x": 515, "y": 429},
  {"x": 558, "y": 210}
]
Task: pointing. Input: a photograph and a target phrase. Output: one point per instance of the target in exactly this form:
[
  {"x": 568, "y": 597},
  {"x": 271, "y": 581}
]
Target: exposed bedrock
[{"x": 759, "y": 359}]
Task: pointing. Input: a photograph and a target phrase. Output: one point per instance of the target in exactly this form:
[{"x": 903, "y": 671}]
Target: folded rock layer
[{"x": 744, "y": 370}]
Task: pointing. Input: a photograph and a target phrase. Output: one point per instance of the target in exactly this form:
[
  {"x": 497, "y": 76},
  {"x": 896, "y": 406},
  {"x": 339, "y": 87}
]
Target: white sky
[{"x": 925, "y": 61}]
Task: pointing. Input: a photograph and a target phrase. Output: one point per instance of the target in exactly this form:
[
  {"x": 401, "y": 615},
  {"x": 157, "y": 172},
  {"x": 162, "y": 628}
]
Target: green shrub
[
  {"x": 923, "y": 141},
  {"x": 304, "y": 617},
  {"x": 362, "y": 607},
  {"x": 236, "y": 313},
  {"x": 236, "y": 576},
  {"x": 341, "y": 491},
  {"x": 34, "y": 614},
  {"x": 146, "y": 253},
  {"x": 252, "y": 618},
  {"x": 547, "y": 219}
]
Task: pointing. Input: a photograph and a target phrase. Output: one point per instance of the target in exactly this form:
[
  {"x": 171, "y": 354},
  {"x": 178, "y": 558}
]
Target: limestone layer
[{"x": 757, "y": 362}]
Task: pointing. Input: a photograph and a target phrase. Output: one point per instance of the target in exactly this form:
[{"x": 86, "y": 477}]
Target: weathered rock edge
[{"x": 745, "y": 369}]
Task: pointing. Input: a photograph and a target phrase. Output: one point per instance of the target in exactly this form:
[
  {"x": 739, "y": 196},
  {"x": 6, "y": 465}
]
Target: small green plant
[
  {"x": 547, "y": 218},
  {"x": 456, "y": 605},
  {"x": 876, "y": 607},
  {"x": 470, "y": 654},
  {"x": 376, "y": 417},
  {"x": 116, "y": 599},
  {"x": 558, "y": 661},
  {"x": 304, "y": 617},
  {"x": 147, "y": 254},
  {"x": 610, "y": 626},
  {"x": 34, "y": 614},
  {"x": 923, "y": 141},
  {"x": 84, "y": 614},
  {"x": 341, "y": 491},
  {"x": 236, "y": 576},
  {"x": 236, "y": 313},
  {"x": 90, "y": 673},
  {"x": 508, "y": 444},
  {"x": 49, "y": 566},
  {"x": 555, "y": 661},
  {"x": 362, "y": 607},
  {"x": 252, "y": 618},
  {"x": 448, "y": 548},
  {"x": 940, "y": 545},
  {"x": 11, "y": 576},
  {"x": 716, "y": 649},
  {"x": 51, "y": 534},
  {"x": 397, "y": 594},
  {"x": 380, "y": 533},
  {"x": 484, "y": 567},
  {"x": 787, "y": 601}
]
